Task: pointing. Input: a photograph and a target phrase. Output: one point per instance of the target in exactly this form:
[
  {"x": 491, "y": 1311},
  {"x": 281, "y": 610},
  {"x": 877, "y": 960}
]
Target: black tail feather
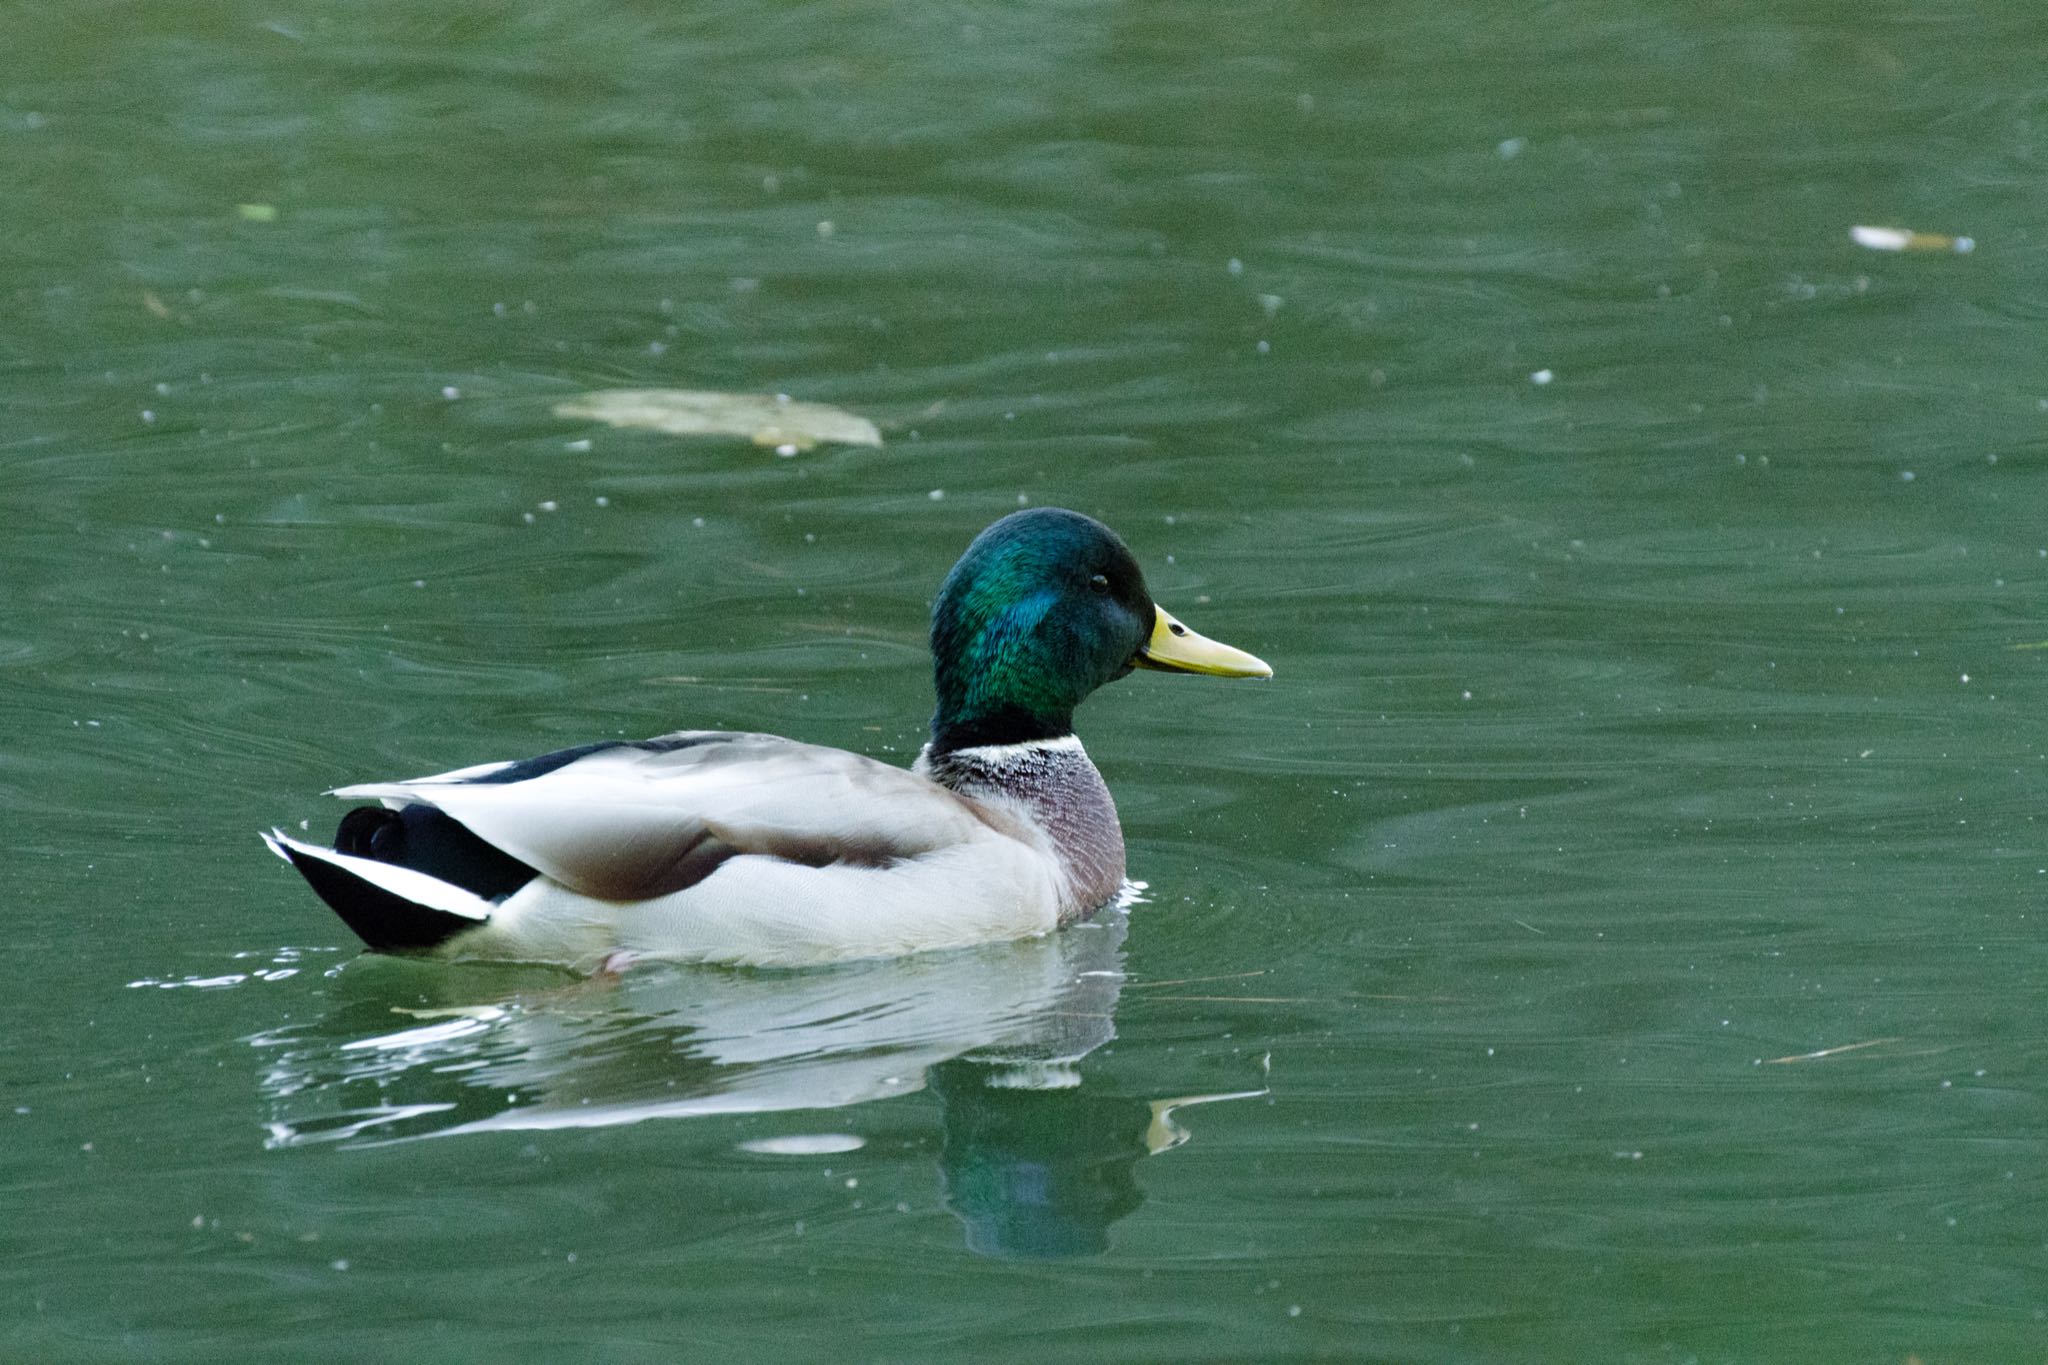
[
  {"x": 386, "y": 922},
  {"x": 425, "y": 840}
]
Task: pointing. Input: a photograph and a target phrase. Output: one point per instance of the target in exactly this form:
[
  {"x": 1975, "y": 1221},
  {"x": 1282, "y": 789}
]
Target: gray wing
[{"x": 633, "y": 820}]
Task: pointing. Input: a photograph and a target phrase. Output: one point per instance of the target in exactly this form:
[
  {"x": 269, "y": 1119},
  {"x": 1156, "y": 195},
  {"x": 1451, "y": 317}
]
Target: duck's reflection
[
  {"x": 1035, "y": 1158},
  {"x": 1036, "y": 1172}
]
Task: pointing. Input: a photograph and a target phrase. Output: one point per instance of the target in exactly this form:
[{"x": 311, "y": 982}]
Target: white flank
[{"x": 403, "y": 882}]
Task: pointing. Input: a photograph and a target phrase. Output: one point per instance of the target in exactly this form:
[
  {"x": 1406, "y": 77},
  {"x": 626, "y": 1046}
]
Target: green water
[{"x": 1648, "y": 570}]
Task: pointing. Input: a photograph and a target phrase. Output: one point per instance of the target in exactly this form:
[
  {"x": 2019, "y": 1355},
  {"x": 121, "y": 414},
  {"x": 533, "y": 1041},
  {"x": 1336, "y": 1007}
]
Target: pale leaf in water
[
  {"x": 1903, "y": 239},
  {"x": 772, "y": 420}
]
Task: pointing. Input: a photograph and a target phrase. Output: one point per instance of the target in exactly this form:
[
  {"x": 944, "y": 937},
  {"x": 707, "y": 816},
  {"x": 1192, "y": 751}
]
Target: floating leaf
[
  {"x": 1903, "y": 239},
  {"x": 772, "y": 420}
]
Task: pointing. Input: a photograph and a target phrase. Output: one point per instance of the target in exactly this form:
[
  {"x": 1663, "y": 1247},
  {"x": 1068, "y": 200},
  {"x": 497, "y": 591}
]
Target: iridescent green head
[{"x": 1046, "y": 606}]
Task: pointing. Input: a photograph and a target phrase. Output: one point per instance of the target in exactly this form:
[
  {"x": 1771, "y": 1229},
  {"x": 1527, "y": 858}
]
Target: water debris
[
  {"x": 773, "y": 420},
  {"x": 1163, "y": 1134},
  {"x": 256, "y": 213},
  {"x": 1829, "y": 1051},
  {"x": 1904, "y": 239}
]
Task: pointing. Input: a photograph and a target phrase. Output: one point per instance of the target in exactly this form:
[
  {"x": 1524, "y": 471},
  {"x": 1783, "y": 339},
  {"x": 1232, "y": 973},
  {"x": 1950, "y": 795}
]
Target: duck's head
[{"x": 1046, "y": 606}]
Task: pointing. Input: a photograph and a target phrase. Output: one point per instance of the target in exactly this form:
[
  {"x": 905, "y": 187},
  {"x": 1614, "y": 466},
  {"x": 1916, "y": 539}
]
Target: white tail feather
[{"x": 403, "y": 882}]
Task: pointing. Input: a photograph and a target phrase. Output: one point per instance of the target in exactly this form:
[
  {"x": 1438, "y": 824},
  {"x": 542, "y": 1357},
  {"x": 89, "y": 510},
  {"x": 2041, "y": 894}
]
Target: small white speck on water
[
  {"x": 1966, "y": 678},
  {"x": 602, "y": 501},
  {"x": 163, "y": 390},
  {"x": 550, "y": 505},
  {"x": 1265, "y": 348},
  {"x": 1293, "y": 1310},
  {"x": 697, "y": 522},
  {"x": 853, "y": 1182},
  {"x": 1905, "y": 476},
  {"x": 1235, "y": 266},
  {"x": 527, "y": 517},
  {"x": 1541, "y": 377},
  {"x": 786, "y": 450},
  {"x": 937, "y": 495},
  {"x": 827, "y": 227},
  {"x": 148, "y": 417},
  {"x": 419, "y": 582},
  {"x": 657, "y": 348},
  {"x": 1467, "y": 696},
  {"x": 450, "y": 392},
  {"x": 1510, "y": 148},
  {"x": 337, "y": 1265}
]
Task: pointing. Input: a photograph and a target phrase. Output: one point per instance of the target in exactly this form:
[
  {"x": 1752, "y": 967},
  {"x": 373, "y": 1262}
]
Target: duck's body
[{"x": 710, "y": 846}]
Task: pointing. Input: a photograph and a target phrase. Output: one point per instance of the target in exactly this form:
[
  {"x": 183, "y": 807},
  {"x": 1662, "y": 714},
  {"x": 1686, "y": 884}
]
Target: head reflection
[{"x": 1037, "y": 1162}]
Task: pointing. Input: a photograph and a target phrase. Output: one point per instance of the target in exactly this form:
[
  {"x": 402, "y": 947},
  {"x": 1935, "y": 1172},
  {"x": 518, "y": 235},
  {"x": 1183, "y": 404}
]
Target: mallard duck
[{"x": 750, "y": 849}]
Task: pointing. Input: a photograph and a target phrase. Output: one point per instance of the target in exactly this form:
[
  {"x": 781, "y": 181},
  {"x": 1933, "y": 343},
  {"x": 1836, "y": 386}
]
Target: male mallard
[{"x": 710, "y": 846}]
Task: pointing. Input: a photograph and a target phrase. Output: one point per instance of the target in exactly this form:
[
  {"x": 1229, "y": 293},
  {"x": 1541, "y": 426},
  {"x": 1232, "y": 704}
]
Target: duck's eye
[{"x": 1098, "y": 583}]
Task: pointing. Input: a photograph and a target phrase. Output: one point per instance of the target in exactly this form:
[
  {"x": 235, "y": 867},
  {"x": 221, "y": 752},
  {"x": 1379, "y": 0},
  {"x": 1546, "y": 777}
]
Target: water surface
[{"x": 1612, "y": 935}]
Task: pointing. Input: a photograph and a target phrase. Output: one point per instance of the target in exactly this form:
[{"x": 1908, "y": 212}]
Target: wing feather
[{"x": 631, "y": 821}]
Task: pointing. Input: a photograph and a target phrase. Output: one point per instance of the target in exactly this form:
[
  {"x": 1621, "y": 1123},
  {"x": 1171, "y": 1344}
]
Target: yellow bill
[{"x": 1173, "y": 648}]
